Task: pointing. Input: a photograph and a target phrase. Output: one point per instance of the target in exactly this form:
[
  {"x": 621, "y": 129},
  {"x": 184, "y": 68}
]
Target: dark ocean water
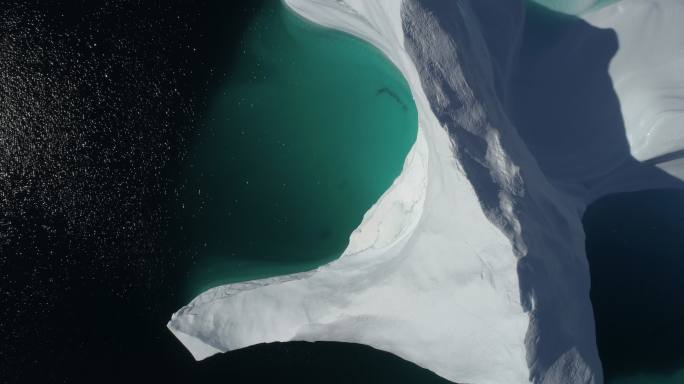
[
  {"x": 103, "y": 106},
  {"x": 634, "y": 241},
  {"x": 104, "y": 103},
  {"x": 635, "y": 246}
]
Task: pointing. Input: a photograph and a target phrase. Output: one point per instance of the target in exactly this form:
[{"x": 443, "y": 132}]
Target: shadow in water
[
  {"x": 635, "y": 246},
  {"x": 566, "y": 110},
  {"x": 561, "y": 100}
]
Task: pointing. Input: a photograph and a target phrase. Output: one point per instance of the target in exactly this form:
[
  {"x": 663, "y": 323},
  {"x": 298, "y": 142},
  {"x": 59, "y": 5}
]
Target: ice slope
[
  {"x": 472, "y": 264},
  {"x": 648, "y": 75},
  {"x": 617, "y": 123}
]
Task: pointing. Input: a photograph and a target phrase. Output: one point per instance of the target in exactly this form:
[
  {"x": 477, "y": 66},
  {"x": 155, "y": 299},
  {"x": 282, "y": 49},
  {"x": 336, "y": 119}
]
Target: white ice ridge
[
  {"x": 648, "y": 75},
  {"x": 472, "y": 264}
]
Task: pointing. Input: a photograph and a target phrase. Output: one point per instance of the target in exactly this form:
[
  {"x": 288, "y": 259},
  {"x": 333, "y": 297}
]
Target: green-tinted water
[
  {"x": 644, "y": 378},
  {"x": 574, "y": 7},
  {"x": 309, "y": 129}
]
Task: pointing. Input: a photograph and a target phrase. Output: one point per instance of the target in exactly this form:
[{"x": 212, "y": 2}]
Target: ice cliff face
[{"x": 472, "y": 264}]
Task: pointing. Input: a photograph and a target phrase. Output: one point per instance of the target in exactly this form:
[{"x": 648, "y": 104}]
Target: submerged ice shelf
[
  {"x": 283, "y": 139},
  {"x": 574, "y": 7},
  {"x": 472, "y": 264}
]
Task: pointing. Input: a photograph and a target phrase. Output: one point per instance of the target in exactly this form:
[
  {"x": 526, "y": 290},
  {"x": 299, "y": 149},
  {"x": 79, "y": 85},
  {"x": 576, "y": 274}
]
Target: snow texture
[{"x": 472, "y": 264}]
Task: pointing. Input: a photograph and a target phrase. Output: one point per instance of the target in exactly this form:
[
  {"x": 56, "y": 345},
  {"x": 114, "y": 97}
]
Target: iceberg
[{"x": 472, "y": 263}]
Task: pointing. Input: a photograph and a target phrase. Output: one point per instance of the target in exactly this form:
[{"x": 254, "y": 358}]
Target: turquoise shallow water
[
  {"x": 308, "y": 130},
  {"x": 574, "y": 7}
]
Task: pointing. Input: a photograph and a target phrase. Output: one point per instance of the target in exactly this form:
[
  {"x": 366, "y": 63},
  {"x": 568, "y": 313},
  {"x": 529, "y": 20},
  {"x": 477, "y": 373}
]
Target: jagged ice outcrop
[{"x": 472, "y": 264}]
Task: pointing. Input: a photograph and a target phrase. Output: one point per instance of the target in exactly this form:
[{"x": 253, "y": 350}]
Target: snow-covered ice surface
[
  {"x": 472, "y": 264},
  {"x": 648, "y": 75}
]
